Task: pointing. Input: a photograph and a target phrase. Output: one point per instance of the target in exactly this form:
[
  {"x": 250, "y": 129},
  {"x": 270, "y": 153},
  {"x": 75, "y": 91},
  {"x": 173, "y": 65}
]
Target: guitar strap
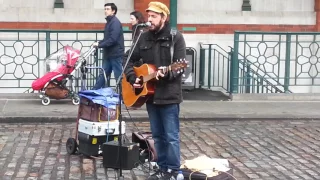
[{"x": 173, "y": 33}]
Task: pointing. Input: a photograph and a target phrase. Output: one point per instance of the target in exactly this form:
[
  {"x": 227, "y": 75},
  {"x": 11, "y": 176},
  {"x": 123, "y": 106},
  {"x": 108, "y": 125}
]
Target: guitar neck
[{"x": 151, "y": 76}]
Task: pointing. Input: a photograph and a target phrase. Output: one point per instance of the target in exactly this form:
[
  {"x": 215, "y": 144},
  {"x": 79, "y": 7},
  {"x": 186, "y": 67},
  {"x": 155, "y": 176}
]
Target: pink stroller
[{"x": 60, "y": 67}]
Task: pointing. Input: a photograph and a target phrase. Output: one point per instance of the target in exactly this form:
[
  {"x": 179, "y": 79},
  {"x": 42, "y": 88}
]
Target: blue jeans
[
  {"x": 108, "y": 65},
  {"x": 165, "y": 127}
]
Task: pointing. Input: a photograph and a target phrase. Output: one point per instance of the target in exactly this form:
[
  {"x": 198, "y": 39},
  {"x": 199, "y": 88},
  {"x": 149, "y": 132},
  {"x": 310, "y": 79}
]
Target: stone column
[{"x": 173, "y": 13}]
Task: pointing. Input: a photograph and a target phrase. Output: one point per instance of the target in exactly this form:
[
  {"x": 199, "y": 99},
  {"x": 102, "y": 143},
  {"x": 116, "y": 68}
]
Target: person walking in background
[
  {"x": 112, "y": 45},
  {"x": 136, "y": 18}
]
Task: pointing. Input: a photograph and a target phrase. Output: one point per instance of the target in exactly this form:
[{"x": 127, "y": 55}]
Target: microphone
[{"x": 147, "y": 24}]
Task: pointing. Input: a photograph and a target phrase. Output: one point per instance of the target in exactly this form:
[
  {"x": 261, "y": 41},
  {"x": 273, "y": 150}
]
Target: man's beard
[{"x": 157, "y": 27}]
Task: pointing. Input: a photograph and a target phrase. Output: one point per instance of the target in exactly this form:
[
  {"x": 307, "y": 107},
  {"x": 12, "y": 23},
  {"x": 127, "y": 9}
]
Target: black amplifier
[{"x": 129, "y": 153}]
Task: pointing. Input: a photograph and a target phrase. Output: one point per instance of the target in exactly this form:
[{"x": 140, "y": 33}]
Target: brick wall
[
  {"x": 141, "y": 5},
  {"x": 200, "y": 28},
  {"x": 54, "y": 26},
  {"x": 230, "y": 28},
  {"x": 317, "y": 10}
]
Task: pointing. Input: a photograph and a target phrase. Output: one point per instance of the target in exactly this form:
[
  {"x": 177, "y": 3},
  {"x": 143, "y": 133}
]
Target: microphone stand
[
  {"x": 119, "y": 88},
  {"x": 134, "y": 34},
  {"x": 143, "y": 25}
]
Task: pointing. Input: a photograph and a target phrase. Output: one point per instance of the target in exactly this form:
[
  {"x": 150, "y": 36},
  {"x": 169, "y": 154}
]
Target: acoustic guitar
[{"x": 136, "y": 97}]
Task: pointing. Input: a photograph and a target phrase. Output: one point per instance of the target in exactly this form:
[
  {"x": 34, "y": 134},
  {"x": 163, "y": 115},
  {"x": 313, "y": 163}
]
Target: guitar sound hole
[{"x": 137, "y": 91}]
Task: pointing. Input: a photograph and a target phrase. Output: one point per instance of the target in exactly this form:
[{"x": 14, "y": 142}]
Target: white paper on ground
[{"x": 206, "y": 165}]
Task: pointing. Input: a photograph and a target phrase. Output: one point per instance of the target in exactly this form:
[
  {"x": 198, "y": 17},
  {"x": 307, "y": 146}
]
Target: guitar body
[{"x": 136, "y": 97}]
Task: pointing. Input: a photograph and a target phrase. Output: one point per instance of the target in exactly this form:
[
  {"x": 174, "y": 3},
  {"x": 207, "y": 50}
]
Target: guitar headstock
[{"x": 179, "y": 65}]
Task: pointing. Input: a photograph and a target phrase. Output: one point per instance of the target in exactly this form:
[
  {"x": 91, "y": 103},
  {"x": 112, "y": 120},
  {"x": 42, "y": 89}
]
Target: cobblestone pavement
[{"x": 257, "y": 150}]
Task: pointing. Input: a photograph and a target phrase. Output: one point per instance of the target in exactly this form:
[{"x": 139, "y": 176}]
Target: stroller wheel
[
  {"x": 71, "y": 145},
  {"x": 76, "y": 100},
  {"x": 46, "y": 101}
]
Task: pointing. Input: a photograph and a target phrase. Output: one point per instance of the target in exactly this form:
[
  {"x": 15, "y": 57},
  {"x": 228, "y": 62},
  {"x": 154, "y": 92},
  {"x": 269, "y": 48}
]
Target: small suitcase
[
  {"x": 92, "y": 135},
  {"x": 91, "y": 111},
  {"x": 101, "y": 128},
  {"x": 92, "y": 145}
]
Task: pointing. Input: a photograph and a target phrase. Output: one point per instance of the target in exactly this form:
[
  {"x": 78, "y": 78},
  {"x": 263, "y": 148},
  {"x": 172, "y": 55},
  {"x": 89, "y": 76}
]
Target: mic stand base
[{"x": 120, "y": 130}]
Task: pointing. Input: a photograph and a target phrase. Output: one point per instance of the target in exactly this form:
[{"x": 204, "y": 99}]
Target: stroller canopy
[
  {"x": 59, "y": 62},
  {"x": 62, "y": 60}
]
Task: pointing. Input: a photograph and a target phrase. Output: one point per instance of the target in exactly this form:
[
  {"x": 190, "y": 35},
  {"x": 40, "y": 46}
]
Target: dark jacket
[
  {"x": 113, "y": 40},
  {"x": 154, "y": 48}
]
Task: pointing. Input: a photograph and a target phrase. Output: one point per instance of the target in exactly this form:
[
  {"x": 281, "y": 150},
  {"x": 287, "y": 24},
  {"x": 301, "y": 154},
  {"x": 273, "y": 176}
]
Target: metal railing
[
  {"x": 289, "y": 61},
  {"x": 214, "y": 67},
  {"x": 253, "y": 81},
  {"x": 22, "y": 54},
  {"x": 215, "y": 71}
]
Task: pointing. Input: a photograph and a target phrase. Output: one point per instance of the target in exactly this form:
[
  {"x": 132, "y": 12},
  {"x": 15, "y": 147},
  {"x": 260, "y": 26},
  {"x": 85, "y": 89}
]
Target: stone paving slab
[
  {"x": 264, "y": 150},
  {"x": 276, "y": 97},
  {"x": 64, "y": 111}
]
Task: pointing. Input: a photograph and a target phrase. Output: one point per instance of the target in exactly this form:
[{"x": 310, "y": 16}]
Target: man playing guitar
[{"x": 160, "y": 48}]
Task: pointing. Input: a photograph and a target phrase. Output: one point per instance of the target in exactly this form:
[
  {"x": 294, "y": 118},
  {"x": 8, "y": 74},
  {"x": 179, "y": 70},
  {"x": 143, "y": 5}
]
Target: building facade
[{"x": 204, "y": 21}]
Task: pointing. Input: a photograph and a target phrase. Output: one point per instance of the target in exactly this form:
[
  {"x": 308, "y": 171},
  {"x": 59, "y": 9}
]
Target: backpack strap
[{"x": 173, "y": 33}]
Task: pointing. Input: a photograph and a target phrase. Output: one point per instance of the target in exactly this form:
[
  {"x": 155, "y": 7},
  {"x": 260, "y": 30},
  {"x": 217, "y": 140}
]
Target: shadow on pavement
[{"x": 204, "y": 95}]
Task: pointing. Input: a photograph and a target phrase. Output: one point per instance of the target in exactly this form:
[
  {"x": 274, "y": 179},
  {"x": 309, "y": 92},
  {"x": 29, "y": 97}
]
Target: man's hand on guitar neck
[
  {"x": 161, "y": 72},
  {"x": 137, "y": 83}
]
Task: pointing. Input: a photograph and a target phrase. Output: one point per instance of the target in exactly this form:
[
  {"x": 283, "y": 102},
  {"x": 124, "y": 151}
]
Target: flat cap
[{"x": 158, "y": 7}]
